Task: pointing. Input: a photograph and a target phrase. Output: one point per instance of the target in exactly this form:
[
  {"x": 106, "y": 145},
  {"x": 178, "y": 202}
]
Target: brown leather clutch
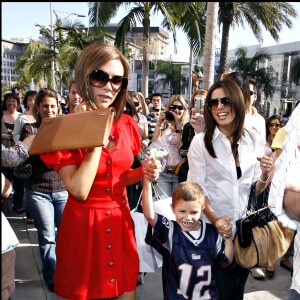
[{"x": 74, "y": 131}]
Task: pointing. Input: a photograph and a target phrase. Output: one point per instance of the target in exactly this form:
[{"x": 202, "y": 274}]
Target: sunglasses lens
[
  {"x": 117, "y": 80},
  {"x": 274, "y": 124},
  {"x": 179, "y": 107},
  {"x": 136, "y": 104},
  {"x": 99, "y": 78},
  {"x": 214, "y": 103}
]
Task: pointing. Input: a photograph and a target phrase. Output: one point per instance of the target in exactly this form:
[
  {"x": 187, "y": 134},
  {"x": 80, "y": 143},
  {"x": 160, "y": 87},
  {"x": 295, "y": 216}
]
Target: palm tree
[
  {"x": 270, "y": 15},
  {"x": 250, "y": 66},
  {"x": 172, "y": 75},
  {"x": 209, "y": 52},
  {"x": 101, "y": 13},
  {"x": 68, "y": 40},
  {"x": 295, "y": 71}
]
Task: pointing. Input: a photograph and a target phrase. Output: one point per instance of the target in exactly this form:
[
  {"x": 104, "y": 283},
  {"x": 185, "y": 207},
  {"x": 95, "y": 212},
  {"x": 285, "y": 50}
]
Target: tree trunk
[
  {"x": 145, "y": 63},
  {"x": 224, "y": 48},
  {"x": 210, "y": 44},
  {"x": 226, "y": 18}
]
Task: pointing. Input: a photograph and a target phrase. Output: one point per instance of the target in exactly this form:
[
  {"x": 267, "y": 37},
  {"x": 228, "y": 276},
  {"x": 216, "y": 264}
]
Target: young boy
[{"x": 191, "y": 248}]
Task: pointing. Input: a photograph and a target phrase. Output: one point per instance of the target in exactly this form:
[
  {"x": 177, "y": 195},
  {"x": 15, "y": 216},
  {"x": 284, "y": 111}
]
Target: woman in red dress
[{"x": 96, "y": 248}]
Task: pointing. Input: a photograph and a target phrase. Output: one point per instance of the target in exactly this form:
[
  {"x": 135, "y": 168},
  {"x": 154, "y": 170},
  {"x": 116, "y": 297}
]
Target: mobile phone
[{"x": 198, "y": 104}]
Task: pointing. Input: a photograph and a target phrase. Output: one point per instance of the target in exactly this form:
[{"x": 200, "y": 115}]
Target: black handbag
[
  {"x": 258, "y": 214},
  {"x": 23, "y": 170},
  {"x": 260, "y": 239}
]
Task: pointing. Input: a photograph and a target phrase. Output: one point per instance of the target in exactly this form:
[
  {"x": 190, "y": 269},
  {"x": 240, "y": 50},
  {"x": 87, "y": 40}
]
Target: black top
[{"x": 42, "y": 178}]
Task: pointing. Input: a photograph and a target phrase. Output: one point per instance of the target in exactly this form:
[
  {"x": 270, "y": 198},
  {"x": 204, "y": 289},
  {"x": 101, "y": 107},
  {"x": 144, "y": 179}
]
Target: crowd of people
[{"x": 214, "y": 147}]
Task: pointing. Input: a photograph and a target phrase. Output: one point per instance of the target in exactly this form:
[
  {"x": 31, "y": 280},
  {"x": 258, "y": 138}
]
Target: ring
[
  {"x": 264, "y": 165},
  {"x": 225, "y": 235}
]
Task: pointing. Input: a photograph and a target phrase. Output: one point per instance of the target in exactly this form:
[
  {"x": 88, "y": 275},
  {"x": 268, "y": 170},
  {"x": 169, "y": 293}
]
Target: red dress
[{"x": 96, "y": 248}]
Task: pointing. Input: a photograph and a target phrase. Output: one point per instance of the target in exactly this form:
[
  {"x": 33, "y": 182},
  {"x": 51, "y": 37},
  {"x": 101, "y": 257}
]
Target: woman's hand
[
  {"x": 224, "y": 226},
  {"x": 266, "y": 165},
  {"x": 151, "y": 168}
]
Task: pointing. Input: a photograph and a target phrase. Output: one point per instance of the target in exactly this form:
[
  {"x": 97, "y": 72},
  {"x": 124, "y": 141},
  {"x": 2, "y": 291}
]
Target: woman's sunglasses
[
  {"x": 274, "y": 124},
  {"x": 99, "y": 78},
  {"x": 179, "y": 107},
  {"x": 136, "y": 104},
  {"x": 213, "y": 104}
]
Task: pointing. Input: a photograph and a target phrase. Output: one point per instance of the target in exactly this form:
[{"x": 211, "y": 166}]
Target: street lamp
[
  {"x": 74, "y": 14},
  {"x": 52, "y": 42}
]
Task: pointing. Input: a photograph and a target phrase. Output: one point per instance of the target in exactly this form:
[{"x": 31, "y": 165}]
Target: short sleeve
[{"x": 58, "y": 159}]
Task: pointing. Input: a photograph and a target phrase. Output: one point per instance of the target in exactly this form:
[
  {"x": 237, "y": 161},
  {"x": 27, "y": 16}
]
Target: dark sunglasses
[
  {"x": 274, "y": 124},
  {"x": 99, "y": 78},
  {"x": 179, "y": 107},
  {"x": 136, "y": 104},
  {"x": 213, "y": 104}
]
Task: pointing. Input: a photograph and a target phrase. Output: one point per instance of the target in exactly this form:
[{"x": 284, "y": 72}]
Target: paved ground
[{"x": 30, "y": 285}]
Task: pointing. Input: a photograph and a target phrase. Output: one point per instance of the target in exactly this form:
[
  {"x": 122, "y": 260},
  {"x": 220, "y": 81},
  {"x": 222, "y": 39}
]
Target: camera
[
  {"x": 169, "y": 116},
  {"x": 198, "y": 103}
]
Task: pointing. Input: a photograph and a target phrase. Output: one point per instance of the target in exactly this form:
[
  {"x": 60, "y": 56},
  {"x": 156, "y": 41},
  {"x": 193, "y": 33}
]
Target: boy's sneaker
[{"x": 257, "y": 273}]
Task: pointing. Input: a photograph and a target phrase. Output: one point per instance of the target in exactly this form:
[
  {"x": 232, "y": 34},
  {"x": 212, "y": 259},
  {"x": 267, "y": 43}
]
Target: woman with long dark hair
[{"x": 226, "y": 159}]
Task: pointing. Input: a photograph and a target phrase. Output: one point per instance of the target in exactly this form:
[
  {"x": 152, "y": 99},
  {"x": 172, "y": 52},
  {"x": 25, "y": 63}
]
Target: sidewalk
[{"x": 30, "y": 284}]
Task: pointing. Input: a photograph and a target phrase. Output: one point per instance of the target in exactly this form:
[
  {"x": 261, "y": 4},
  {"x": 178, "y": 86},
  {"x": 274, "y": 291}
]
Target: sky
[{"x": 19, "y": 18}]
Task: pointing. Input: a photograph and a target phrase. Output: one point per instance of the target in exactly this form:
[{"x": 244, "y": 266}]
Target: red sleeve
[{"x": 58, "y": 159}]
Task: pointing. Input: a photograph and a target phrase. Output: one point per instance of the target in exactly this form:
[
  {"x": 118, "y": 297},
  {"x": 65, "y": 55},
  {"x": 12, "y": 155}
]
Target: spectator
[
  {"x": 188, "y": 133},
  {"x": 154, "y": 111},
  {"x": 96, "y": 249},
  {"x": 168, "y": 132},
  {"x": 25, "y": 117},
  {"x": 45, "y": 192},
  {"x": 74, "y": 98},
  {"x": 230, "y": 156},
  {"x": 273, "y": 124},
  {"x": 10, "y": 113},
  {"x": 18, "y": 91},
  {"x": 137, "y": 101}
]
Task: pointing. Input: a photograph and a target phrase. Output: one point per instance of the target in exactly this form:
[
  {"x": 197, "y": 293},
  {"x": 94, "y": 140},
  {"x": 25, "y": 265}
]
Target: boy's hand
[{"x": 224, "y": 226}]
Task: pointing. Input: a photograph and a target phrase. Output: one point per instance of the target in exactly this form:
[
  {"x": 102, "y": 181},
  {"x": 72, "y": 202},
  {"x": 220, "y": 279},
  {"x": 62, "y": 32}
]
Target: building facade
[
  {"x": 286, "y": 93},
  {"x": 11, "y": 51}
]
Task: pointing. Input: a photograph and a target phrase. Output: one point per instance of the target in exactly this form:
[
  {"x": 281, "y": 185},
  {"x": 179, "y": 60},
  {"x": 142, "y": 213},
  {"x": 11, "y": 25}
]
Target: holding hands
[
  {"x": 224, "y": 226},
  {"x": 151, "y": 168}
]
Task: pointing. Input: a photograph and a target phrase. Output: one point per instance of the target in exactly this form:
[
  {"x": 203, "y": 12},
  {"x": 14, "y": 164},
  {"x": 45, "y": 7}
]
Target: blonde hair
[
  {"x": 92, "y": 57},
  {"x": 185, "y": 115}
]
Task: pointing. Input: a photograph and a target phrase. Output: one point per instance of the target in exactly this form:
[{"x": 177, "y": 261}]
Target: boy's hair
[{"x": 188, "y": 191}]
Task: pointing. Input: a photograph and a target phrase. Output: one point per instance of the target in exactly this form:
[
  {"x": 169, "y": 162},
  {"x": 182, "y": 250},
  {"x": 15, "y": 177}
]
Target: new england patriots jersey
[{"x": 188, "y": 262}]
